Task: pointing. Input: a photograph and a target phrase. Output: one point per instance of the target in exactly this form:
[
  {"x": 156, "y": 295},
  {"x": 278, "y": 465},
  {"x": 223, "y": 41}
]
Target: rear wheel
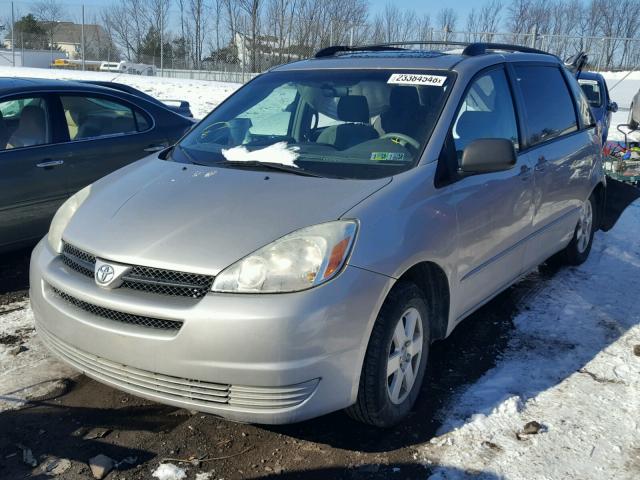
[
  {"x": 396, "y": 359},
  {"x": 580, "y": 246}
]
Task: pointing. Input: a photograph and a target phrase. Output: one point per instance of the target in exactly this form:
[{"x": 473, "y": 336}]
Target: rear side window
[
  {"x": 95, "y": 117},
  {"x": 24, "y": 123},
  {"x": 548, "y": 105},
  {"x": 592, "y": 91}
]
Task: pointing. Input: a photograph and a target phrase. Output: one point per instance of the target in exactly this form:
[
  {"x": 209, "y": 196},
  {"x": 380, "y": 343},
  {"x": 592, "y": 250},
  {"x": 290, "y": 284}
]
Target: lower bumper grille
[
  {"x": 117, "y": 316},
  {"x": 182, "y": 390}
]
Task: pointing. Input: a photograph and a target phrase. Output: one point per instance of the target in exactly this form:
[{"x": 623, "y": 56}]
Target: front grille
[
  {"x": 190, "y": 392},
  {"x": 145, "y": 279},
  {"x": 116, "y": 316},
  {"x": 78, "y": 260}
]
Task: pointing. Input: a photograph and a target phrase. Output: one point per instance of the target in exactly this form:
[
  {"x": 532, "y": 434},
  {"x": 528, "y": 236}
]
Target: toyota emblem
[{"x": 105, "y": 274}]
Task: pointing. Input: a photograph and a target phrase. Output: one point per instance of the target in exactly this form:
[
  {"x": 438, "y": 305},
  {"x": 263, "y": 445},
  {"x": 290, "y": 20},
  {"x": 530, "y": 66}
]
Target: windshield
[{"x": 335, "y": 123}]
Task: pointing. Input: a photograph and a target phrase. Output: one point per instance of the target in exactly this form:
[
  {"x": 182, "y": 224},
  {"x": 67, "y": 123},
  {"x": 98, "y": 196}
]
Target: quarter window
[
  {"x": 487, "y": 112},
  {"x": 547, "y": 102},
  {"x": 24, "y": 123},
  {"x": 95, "y": 117}
]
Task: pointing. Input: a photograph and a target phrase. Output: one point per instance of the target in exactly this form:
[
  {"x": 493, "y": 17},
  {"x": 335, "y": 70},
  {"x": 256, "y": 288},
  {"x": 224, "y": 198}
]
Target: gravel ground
[{"x": 82, "y": 418}]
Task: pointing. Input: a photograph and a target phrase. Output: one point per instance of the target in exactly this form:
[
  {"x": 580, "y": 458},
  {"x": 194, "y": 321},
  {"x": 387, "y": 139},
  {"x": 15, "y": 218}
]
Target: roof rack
[{"x": 470, "y": 50}]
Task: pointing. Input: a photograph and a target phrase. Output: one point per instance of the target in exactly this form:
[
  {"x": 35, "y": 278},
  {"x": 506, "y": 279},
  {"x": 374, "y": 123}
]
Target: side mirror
[
  {"x": 612, "y": 107},
  {"x": 487, "y": 155}
]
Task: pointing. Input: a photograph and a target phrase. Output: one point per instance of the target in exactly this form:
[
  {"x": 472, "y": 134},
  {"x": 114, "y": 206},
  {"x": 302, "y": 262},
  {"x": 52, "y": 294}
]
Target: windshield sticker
[
  {"x": 387, "y": 157},
  {"x": 411, "y": 79}
]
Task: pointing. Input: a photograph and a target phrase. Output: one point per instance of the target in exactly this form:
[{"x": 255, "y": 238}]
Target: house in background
[{"x": 66, "y": 37}]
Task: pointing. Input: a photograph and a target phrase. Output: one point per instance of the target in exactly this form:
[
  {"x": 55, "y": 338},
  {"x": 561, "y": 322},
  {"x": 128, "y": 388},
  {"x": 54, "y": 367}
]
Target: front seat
[
  {"x": 4, "y": 134},
  {"x": 404, "y": 113},
  {"x": 32, "y": 128},
  {"x": 354, "y": 110}
]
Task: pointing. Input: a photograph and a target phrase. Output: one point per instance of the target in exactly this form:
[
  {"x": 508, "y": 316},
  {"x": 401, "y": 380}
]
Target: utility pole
[
  {"x": 13, "y": 39},
  {"x": 161, "y": 42},
  {"x": 82, "y": 38}
]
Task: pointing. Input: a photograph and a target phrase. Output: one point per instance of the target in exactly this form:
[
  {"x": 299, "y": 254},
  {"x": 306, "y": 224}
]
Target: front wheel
[
  {"x": 580, "y": 246},
  {"x": 396, "y": 359}
]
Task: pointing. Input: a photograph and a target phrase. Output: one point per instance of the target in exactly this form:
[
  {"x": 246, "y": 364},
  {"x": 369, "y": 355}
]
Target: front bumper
[{"x": 251, "y": 358}]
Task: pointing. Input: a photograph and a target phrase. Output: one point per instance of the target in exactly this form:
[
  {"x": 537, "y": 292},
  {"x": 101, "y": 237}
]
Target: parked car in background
[
  {"x": 634, "y": 112},
  {"x": 595, "y": 89},
  {"x": 56, "y": 137},
  {"x": 299, "y": 250},
  {"x": 179, "y": 106}
]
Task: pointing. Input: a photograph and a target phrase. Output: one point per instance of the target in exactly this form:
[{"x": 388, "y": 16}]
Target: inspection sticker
[{"x": 413, "y": 79}]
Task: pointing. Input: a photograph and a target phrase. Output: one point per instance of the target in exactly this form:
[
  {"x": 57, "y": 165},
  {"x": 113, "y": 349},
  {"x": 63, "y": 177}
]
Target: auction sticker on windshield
[{"x": 413, "y": 79}]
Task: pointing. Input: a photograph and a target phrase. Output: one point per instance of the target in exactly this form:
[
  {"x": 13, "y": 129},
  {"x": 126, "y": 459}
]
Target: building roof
[{"x": 69, "y": 32}]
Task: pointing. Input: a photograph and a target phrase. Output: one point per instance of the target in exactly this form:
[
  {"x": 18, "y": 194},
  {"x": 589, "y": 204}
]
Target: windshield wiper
[
  {"x": 280, "y": 167},
  {"x": 187, "y": 154}
]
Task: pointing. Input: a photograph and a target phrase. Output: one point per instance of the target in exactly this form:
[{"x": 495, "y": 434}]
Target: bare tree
[
  {"x": 447, "y": 20},
  {"x": 49, "y": 13}
]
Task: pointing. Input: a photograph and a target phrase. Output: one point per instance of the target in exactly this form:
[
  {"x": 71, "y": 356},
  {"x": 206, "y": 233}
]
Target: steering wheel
[
  {"x": 212, "y": 132},
  {"x": 401, "y": 139}
]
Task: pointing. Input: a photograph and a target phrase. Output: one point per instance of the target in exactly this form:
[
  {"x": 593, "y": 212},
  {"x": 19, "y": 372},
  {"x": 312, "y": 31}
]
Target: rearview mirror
[
  {"x": 487, "y": 155},
  {"x": 612, "y": 107}
]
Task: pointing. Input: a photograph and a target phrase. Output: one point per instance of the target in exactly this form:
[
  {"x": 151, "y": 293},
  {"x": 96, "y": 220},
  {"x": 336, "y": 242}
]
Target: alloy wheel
[{"x": 405, "y": 352}]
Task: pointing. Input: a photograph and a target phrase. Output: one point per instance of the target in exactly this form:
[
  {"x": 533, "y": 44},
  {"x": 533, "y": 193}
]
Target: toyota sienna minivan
[{"x": 300, "y": 249}]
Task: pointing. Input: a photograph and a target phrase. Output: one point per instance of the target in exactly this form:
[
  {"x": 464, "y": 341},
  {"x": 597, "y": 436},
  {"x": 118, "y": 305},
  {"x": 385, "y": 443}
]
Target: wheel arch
[{"x": 432, "y": 280}]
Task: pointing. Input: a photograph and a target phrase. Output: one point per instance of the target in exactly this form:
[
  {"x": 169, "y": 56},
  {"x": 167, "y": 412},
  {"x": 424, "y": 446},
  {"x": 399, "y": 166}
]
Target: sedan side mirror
[
  {"x": 612, "y": 107},
  {"x": 487, "y": 155}
]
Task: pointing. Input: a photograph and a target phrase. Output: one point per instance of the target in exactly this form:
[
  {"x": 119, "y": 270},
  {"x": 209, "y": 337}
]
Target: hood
[{"x": 202, "y": 219}]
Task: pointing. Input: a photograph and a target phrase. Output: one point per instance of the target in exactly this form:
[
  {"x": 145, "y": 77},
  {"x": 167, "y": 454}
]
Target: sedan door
[
  {"x": 32, "y": 169},
  {"x": 494, "y": 210},
  {"x": 104, "y": 133}
]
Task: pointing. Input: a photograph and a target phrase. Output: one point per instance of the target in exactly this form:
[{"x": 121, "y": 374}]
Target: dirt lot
[{"x": 84, "y": 418}]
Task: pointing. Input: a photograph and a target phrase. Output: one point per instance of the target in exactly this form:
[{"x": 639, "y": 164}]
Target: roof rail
[
  {"x": 480, "y": 48},
  {"x": 470, "y": 50}
]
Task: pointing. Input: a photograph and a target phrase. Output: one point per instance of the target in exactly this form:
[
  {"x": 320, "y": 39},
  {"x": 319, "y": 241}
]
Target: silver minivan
[{"x": 300, "y": 249}]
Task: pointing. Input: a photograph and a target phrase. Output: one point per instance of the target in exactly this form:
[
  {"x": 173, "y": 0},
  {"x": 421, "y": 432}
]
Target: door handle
[
  {"x": 541, "y": 165},
  {"x": 155, "y": 148},
  {"x": 525, "y": 173},
  {"x": 49, "y": 163}
]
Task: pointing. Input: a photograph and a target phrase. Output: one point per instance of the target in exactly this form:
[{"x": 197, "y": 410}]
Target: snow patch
[
  {"x": 27, "y": 369},
  {"x": 169, "y": 471},
  {"x": 277, "y": 153},
  {"x": 570, "y": 366}
]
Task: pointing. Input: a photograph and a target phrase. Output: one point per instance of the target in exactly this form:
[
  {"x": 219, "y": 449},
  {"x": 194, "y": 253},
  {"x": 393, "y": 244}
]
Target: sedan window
[
  {"x": 95, "y": 117},
  {"x": 23, "y": 123}
]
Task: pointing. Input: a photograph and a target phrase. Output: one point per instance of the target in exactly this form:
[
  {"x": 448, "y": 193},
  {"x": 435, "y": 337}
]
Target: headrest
[
  {"x": 32, "y": 117},
  {"x": 591, "y": 93},
  {"x": 353, "y": 108},
  {"x": 404, "y": 97}
]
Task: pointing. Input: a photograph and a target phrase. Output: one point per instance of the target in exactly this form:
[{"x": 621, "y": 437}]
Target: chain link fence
[{"x": 47, "y": 34}]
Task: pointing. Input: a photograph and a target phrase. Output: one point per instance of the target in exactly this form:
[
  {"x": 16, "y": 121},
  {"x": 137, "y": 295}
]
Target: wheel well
[
  {"x": 432, "y": 280},
  {"x": 600, "y": 195}
]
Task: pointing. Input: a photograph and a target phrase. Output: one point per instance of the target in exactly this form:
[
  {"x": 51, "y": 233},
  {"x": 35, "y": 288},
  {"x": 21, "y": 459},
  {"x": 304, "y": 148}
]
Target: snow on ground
[
  {"x": 570, "y": 365},
  {"x": 202, "y": 95},
  {"x": 27, "y": 369},
  {"x": 622, "y": 87}
]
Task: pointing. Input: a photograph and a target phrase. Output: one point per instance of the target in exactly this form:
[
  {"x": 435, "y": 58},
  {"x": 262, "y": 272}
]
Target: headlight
[
  {"x": 63, "y": 216},
  {"x": 300, "y": 260}
]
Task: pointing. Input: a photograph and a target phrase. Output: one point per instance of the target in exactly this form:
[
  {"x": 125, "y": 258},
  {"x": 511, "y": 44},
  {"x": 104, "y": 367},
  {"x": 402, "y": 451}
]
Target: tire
[
  {"x": 580, "y": 246},
  {"x": 385, "y": 400}
]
